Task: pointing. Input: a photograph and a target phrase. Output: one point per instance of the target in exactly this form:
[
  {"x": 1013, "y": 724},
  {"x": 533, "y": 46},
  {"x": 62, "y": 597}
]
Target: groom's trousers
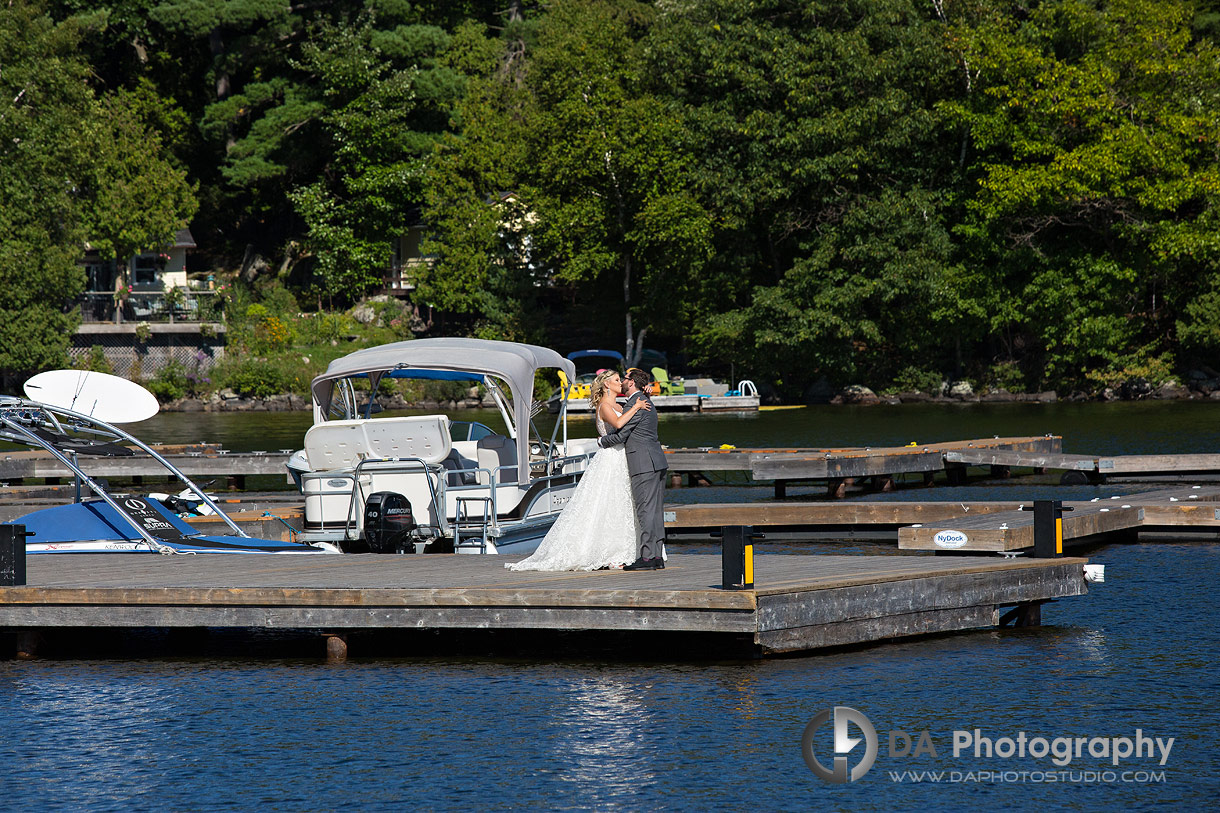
[{"x": 648, "y": 490}]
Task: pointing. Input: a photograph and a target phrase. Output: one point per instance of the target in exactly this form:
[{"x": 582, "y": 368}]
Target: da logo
[{"x": 843, "y": 745}]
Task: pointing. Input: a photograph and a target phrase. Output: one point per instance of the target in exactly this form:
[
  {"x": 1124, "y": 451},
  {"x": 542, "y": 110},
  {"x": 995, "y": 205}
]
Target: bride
[{"x": 597, "y": 528}]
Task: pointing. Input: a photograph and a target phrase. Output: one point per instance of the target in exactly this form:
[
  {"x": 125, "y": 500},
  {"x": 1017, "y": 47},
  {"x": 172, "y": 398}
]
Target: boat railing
[
  {"x": 489, "y": 482},
  {"x": 18, "y": 415},
  {"x": 401, "y": 465},
  {"x": 492, "y": 480}
]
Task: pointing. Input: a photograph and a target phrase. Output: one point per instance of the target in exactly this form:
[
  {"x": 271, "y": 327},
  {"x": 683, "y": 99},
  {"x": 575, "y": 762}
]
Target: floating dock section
[{"x": 799, "y": 602}]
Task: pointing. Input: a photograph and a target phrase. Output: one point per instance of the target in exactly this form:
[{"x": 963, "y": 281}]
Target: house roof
[{"x": 184, "y": 239}]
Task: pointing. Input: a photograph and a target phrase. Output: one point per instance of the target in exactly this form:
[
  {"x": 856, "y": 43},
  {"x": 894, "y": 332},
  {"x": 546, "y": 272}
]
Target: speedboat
[
  {"x": 108, "y": 522},
  {"x": 427, "y": 483}
]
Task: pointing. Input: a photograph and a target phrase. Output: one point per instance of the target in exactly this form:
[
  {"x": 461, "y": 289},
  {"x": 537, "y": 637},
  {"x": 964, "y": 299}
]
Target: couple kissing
[{"x": 614, "y": 519}]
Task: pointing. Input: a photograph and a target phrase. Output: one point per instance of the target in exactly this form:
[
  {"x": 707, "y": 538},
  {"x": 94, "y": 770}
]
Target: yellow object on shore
[
  {"x": 727, "y": 446},
  {"x": 773, "y": 408}
]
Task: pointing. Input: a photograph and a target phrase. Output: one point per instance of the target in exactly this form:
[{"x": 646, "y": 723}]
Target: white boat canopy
[{"x": 449, "y": 359}]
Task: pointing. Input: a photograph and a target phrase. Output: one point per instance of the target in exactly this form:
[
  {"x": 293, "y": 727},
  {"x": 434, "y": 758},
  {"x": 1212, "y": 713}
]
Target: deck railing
[{"x": 185, "y": 305}]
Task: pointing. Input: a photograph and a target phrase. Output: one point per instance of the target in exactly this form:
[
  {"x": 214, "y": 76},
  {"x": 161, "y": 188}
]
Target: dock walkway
[{"x": 800, "y": 603}]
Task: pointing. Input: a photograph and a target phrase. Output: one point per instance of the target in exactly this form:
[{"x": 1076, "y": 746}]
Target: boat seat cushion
[
  {"x": 495, "y": 451},
  {"x": 343, "y": 444}
]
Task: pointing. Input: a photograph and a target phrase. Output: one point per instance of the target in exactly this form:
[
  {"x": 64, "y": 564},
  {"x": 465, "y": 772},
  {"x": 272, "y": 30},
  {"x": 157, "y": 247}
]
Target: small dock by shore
[{"x": 357, "y": 604}]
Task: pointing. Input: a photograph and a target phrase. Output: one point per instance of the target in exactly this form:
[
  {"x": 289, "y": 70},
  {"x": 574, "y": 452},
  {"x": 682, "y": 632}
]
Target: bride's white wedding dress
[{"x": 597, "y": 527}]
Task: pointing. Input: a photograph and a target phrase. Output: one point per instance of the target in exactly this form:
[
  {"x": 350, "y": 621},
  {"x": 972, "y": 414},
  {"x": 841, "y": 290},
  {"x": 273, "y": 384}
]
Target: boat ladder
[{"x": 467, "y": 520}]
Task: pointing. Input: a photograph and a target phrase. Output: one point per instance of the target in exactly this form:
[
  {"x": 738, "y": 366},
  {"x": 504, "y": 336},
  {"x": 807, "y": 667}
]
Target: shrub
[
  {"x": 1005, "y": 375},
  {"x": 96, "y": 361},
  {"x": 169, "y": 383},
  {"x": 253, "y": 377},
  {"x": 913, "y": 379}
]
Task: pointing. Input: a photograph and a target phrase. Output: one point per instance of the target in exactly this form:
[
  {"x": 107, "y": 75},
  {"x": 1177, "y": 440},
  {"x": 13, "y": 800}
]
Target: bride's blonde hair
[{"x": 597, "y": 390}]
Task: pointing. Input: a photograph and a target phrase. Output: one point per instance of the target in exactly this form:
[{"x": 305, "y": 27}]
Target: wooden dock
[
  {"x": 995, "y": 526},
  {"x": 1095, "y": 467},
  {"x": 800, "y": 602},
  {"x": 18, "y": 466},
  {"x": 839, "y": 468},
  {"x": 686, "y": 403}
]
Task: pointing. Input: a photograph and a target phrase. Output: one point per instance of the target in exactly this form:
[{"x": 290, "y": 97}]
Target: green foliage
[
  {"x": 1005, "y": 375},
  {"x": 169, "y": 383},
  {"x": 829, "y": 174},
  {"x": 325, "y": 327},
  {"x": 138, "y": 199},
  {"x": 586, "y": 174},
  {"x": 1095, "y": 157},
  {"x": 867, "y": 190},
  {"x": 913, "y": 379},
  {"x": 45, "y": 155},
  {"x": 375, "y": 134},
  {"x": 254, "y": 377},
  {"x": 95, "y": 360}
]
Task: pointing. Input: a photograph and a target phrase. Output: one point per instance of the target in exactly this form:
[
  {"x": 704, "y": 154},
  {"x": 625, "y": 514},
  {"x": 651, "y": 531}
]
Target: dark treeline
[{"x": 890, "y": 192}]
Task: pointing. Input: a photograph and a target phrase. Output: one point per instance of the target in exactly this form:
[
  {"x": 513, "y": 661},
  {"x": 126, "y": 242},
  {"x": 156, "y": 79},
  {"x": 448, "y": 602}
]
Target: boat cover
[{"x": 460, "y": 359}]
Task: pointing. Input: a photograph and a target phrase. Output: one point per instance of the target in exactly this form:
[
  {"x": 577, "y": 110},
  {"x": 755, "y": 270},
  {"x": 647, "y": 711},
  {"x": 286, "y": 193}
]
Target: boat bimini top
[{"x": 444, "y": 359}]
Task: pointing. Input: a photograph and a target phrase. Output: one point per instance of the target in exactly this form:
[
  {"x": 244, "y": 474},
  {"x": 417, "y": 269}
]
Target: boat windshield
[{"x": 468, "y": 430}]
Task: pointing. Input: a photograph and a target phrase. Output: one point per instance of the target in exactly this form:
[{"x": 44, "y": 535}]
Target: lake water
[{"x": 615, "y": 732}]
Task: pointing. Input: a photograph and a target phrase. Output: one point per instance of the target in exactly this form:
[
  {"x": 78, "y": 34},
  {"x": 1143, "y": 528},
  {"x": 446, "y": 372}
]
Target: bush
[
  {"x": 913, "y": 379},
  {"x": 1005, "y": 375},
  {"x": 169, "y": 383},
  {"x": 253, "y": 377},
  {"x": 96, "y": 361}
]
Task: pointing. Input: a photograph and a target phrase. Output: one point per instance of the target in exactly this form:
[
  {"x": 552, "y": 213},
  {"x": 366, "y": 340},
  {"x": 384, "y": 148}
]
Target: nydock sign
[{"x": 950, "y": 539}]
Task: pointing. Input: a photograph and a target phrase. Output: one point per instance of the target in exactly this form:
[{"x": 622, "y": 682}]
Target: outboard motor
[{"x": 388, "y": 522}]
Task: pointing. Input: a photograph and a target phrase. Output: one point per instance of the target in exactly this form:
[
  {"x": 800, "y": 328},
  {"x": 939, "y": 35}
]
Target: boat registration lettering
[{"x": 950, "y": 539}]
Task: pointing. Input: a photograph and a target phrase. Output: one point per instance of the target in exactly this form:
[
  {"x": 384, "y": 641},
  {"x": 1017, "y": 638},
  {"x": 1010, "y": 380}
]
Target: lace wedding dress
[{"x": 597, "y": 527}]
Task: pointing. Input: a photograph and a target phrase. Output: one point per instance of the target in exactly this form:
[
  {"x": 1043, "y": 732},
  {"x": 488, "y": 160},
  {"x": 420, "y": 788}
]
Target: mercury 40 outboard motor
[{"x": 388, "y": 522}]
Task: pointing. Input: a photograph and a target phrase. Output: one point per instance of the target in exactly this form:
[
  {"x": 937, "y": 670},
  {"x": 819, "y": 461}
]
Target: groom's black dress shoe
[{"x": 643, "y": 564}]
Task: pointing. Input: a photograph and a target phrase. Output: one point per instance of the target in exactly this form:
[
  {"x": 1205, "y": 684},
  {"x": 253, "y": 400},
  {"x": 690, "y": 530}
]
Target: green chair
[{"x": 664, "y": 385}]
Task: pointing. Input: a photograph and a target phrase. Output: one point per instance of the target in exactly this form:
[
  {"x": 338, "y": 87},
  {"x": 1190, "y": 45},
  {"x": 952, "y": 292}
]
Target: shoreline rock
[{"x": 854, "y": 395}]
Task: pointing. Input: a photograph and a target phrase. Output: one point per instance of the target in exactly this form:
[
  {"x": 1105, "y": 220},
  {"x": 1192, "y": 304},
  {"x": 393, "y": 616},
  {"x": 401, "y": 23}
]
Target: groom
[{"x": 647, "y": 466}]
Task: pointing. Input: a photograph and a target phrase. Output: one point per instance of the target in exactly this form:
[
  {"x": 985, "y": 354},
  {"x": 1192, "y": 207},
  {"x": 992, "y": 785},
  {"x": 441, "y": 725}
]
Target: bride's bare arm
[{"x": 619, "y": 421}]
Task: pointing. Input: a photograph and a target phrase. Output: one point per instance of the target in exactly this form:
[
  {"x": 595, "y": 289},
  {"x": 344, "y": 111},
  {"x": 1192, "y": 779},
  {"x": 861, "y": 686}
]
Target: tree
[
  {"x": 1094, "y": 150},
  {"x": 830, "y": 176},
  {"x": 597, "y": 183},
  {"x": 138, "y": 198},
  {"x": 374, "y": 136},
  {"x": 44, "y": 99}
]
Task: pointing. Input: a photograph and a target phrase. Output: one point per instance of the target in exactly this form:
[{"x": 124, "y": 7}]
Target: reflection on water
[{"x": 601, "y": 745}]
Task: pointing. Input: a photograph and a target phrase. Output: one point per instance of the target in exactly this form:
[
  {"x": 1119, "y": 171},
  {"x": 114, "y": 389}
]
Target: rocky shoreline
[
  {"x": 1200, "y": 389},
  {"x": 856, "y": 395},
  {"x": 229, "y": 401}
]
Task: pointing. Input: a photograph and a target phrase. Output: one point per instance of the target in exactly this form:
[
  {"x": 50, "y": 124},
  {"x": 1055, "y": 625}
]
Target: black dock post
[
  {"x": 12, "y": 555},
  {"x": 737, "y": 556},
  {"x": 1048, "y": 529}
]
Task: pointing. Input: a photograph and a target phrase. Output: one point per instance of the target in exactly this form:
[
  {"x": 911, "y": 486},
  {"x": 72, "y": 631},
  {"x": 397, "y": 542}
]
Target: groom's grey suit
[{"x": 647, "y": 466}]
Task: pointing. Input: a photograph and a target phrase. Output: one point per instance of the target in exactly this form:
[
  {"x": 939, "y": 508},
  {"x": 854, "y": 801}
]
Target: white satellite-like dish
[{"x": 98, "y": 395}]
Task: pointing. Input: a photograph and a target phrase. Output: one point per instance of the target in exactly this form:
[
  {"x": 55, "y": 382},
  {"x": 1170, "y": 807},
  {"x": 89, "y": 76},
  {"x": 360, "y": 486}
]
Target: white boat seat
[
  {"x": 495, "y": 451},
  {"x": 343, "y": 444}
]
